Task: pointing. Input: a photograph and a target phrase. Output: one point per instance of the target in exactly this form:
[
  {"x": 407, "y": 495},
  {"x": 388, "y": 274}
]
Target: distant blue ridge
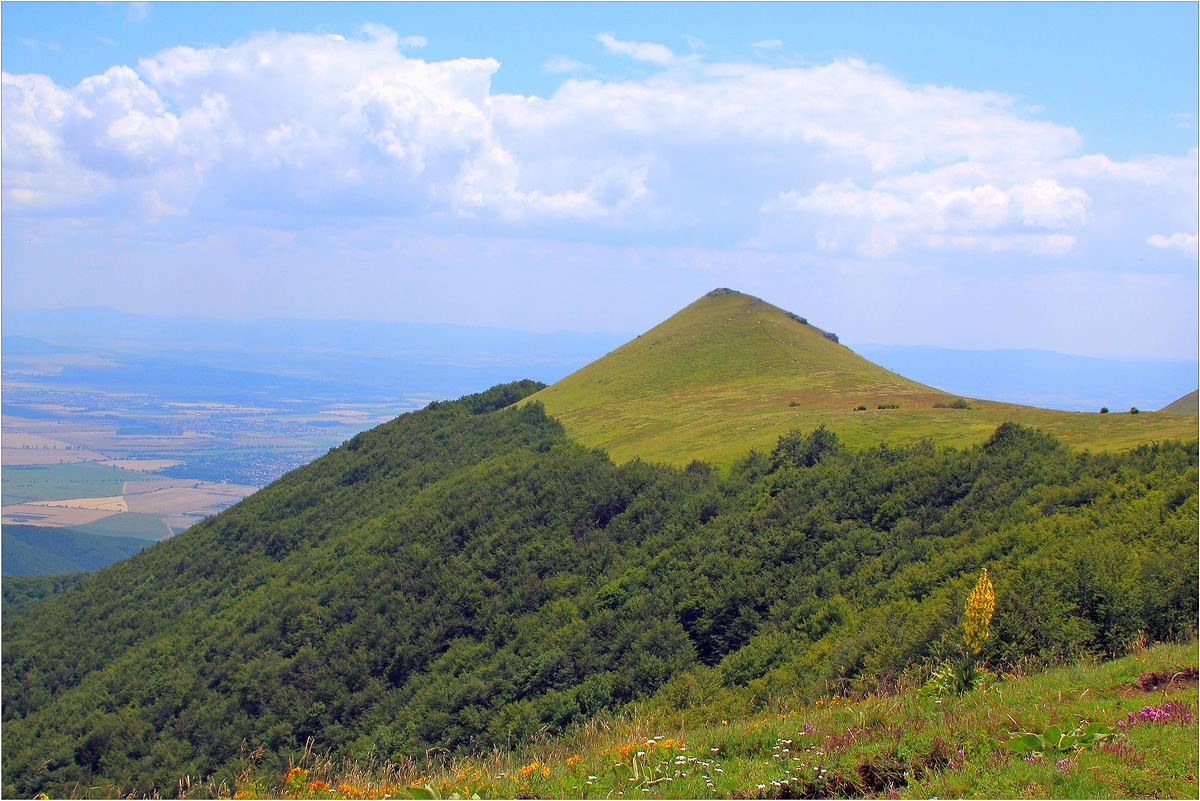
[
  {"x": 176, "y": 357},
  {"x": 1039, "y": 377}
]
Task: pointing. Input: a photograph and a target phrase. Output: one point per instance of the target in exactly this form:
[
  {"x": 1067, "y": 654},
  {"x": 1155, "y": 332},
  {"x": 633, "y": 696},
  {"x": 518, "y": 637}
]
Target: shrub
[
  {"x": 1103, "y": 410},
  {"x": 1133, "y": 410}
]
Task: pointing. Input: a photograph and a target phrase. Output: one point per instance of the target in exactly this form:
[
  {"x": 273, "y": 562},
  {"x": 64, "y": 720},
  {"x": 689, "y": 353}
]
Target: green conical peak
[
  {"x": 732, "y": 372},
  {"x": 725, "y": 358}
]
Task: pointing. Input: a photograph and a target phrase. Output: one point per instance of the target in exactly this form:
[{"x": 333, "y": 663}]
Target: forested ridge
[{"x": 466, "y": 576}]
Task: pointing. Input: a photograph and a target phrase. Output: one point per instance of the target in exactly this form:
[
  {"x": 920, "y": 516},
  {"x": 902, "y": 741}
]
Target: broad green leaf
[{"x": 1024, "y": 742}]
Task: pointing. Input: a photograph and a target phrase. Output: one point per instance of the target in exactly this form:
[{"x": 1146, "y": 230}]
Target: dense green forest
[
  {"x": 466, "y": 576},
  {"x": 22, "y": 591},
  {"x": 42, "y": 550}
]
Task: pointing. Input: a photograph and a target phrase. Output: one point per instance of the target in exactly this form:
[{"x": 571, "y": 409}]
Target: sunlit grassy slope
[
  {"x": 907, "y": 745},
  {"x": 1188, "y": 404},
  {"x": 731, "y": 372}
]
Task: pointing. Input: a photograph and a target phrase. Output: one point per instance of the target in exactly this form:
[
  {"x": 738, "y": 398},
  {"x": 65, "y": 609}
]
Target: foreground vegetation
[
  {"x": 466, "y": 578},
  {"x": 913, "y": 743}
]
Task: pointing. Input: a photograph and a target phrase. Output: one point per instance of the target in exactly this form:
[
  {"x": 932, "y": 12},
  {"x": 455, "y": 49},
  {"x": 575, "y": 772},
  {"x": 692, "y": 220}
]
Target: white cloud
[
  {"x": 640, "y": 51},
  {"x": 1176, "y": 241},
  {"x": 842, "y": 157},
  {"x": 562, "y": 64},
  {"x": 934, "y": 210}
]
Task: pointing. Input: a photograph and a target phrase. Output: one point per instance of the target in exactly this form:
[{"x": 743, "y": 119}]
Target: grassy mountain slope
[
  {"x": 731, "y": 372},
  {"x": 1188, "y": 404},
  {"x": 906, "y": 744}
]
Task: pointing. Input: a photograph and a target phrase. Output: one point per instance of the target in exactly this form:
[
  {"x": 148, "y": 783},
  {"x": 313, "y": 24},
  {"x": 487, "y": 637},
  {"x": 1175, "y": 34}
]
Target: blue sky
[{"x": 964, "y": 175}]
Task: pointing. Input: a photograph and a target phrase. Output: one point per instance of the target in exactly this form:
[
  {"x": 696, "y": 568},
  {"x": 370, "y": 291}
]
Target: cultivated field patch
[
  {"x": 33, "y": 514},
  {"x": 112, "y": 503},
  {"x": 11, "y": 456},
  {"x": 24, "y": 441},
  {"x": 183, "y": 497},
  {"x": 23, "y": 483},
  {"x": 141, "y": 465}
]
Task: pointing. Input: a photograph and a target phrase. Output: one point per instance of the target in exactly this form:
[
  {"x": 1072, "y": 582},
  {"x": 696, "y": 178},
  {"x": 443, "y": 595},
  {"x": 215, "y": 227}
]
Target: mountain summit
[
  {"x": 732, "y": 372},
  {"x": 730, "y": 368}
]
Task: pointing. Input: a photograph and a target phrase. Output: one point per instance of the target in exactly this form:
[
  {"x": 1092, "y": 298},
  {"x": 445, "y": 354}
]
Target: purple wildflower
[{"x": 1170, "y": 712}]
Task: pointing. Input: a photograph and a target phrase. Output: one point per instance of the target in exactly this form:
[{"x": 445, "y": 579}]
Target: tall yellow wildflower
[{"x": 980, "y": 607}]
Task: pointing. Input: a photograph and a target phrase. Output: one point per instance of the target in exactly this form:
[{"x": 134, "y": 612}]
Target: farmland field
[{"x": 55, "y": 482}]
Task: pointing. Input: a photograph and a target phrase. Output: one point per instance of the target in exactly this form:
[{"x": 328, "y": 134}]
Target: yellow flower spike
[
  {"x": 980, "y": 607},
  {"x": 546, "y": 771},
  {"x": 573, "y": 761}
]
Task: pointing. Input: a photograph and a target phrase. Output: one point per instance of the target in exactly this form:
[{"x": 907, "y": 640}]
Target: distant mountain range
[
  {"x": 1041, "y": 378},
  {"x": 428, "y": 361},
  {"x": 231, "y": 361}
]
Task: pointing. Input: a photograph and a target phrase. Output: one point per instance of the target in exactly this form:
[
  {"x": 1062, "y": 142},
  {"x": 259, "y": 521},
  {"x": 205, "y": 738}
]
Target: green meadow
[{"x": 731, "y": 372}]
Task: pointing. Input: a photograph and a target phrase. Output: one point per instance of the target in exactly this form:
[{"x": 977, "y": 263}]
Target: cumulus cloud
[
  {"x": 1176, "y": 241},
  {"x": 640, "y": 51},
  {"x": 941, "y": 210},
  {"x": 562, "y": 64},
  {"x": 839, "y": 157}
]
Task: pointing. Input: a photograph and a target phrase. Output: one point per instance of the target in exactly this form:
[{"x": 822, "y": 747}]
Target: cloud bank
[
  {"x": 833, "y": 167},
  {"x": 280, "y": 123}
]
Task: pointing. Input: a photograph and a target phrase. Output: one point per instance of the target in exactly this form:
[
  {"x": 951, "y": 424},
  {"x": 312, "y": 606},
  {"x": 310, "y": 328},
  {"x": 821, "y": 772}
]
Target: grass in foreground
[{"x": 908, "y": 745}]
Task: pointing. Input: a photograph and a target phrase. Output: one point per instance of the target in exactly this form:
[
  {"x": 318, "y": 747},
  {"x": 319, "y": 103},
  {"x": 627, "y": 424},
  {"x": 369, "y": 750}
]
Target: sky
[{"x": 965, "y": 175}]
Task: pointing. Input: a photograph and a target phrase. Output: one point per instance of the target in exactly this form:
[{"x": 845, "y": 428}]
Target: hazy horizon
[
  {"x": 444, "y": 360},
  {"x": 970, "y": 176}
]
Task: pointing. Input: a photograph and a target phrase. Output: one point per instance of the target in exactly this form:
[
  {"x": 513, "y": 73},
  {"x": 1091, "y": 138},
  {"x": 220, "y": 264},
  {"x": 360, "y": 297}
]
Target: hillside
[
  {"x": 911, "y": 743},
  {"x": 466, "y": 578},
  {"x": 730, "y": 372},
  {"x": 1188, "y": 404},
  {"x": 41, "y": 550}
]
